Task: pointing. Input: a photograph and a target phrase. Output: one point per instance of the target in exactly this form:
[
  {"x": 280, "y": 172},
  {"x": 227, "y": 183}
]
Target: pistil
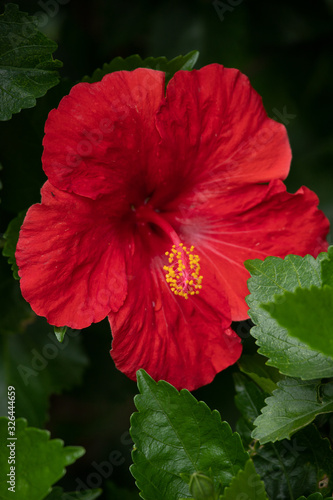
[{"x": 182, "y": 273}]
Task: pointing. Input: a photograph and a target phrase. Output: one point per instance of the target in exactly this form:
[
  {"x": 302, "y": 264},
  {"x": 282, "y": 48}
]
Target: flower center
[{"x": 183, "y": 270}]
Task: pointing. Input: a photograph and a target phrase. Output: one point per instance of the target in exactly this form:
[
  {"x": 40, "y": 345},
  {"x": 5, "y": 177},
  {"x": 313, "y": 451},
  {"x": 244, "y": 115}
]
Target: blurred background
[{"x": 284, "y": 46}]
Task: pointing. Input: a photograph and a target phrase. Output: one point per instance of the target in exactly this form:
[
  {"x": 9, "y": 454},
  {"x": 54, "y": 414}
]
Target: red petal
[
  {"x": 71, "y": 266},
  {"x": 185, "y": 342},
  {"x": 254, "y": 223},
  {"x": 102, "y": 135},
  {"x": 215, "y": 132}
]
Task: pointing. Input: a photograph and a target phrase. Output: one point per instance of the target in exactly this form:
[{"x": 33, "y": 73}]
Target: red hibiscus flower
[{"x": 153, "y": 201}]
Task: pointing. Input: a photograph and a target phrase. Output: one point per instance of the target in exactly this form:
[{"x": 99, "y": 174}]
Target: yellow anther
[{"x": 183, "y": 271}]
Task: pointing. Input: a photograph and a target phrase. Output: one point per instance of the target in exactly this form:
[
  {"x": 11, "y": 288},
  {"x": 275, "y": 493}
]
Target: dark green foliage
[
  {"x": 159, "y": 63},
  {"x": 27, "y": 69}
]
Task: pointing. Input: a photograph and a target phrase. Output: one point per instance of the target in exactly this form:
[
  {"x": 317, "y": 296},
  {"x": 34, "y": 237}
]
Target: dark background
[{"x": 285, "y": 47}]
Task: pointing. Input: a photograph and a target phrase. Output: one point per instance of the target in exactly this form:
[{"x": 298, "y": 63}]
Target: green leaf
[
  {"x": 159, "y": 63},
  {"x": 244, "y": 429},
  {"x": 296, "y": 467},
  {"x": 247, "y": 484},
  {"x": 255, "y": 367},
  {"x": 174, "y": 434},
  {"x": 58, "y": 493},
  {"x": 11, "y": 237},
  {"x": 39, "y": 461},
  {"x": 319, "y": 452},
  {"x": 293, "y": 406},
  {"x": 314, "y": 496},
  {"x": 59, "y": 332},
  {"x": 273, "y": 277},
  {"x": 37, "y": 365},
  {"x": 289, "y": 468},
  {"x": 27, "y": 69},
  {"x": 307, "y": 315},
  {"x": 249, "y": 398},
  {"x": 327, "y": 268}
]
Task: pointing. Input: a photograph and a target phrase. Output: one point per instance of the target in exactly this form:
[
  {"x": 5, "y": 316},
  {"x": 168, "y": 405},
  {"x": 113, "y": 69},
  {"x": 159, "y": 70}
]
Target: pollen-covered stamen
[{"x": 183, "y": 271}]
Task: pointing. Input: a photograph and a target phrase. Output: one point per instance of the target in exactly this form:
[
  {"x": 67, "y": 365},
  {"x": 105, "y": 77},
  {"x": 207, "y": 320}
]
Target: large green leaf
[
  {"x": 11, "y": 237},
  {"x": 37, "y": 365},
  {"x": 271, "y": 278},
  {"x": 27, "y": 69},
  {"x": 58, "y": 493},
  {"x": 293, "y": 406},
  {"x": 289, "y": 468},
  {"x": 307, "y": 315},
  {"x": 175, "y": 435},
  {"x": 38, "y": 461},
  {"x": 159, "y": 63},
  {"x": 247, "y": 484}
]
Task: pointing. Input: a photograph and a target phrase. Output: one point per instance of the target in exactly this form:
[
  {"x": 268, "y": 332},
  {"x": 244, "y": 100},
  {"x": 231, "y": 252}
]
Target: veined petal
[
  {"x": 185, "y": 342},
  {"x": 272, "y": 222},
  {"x": 216, "y": 134},
  {"x": 102, "y": 135},
  {"x": 70, "y": 260}
]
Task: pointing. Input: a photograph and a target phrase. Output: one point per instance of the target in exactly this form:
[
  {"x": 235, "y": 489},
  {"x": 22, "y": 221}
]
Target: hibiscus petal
[
  {"x": 102, "y": 135},
  {"x": 255, "y": 223},
  {"x": 216, "y": 134},
  {"x": 185, "y": 342},
  {"x": 71, "y": 266}
]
